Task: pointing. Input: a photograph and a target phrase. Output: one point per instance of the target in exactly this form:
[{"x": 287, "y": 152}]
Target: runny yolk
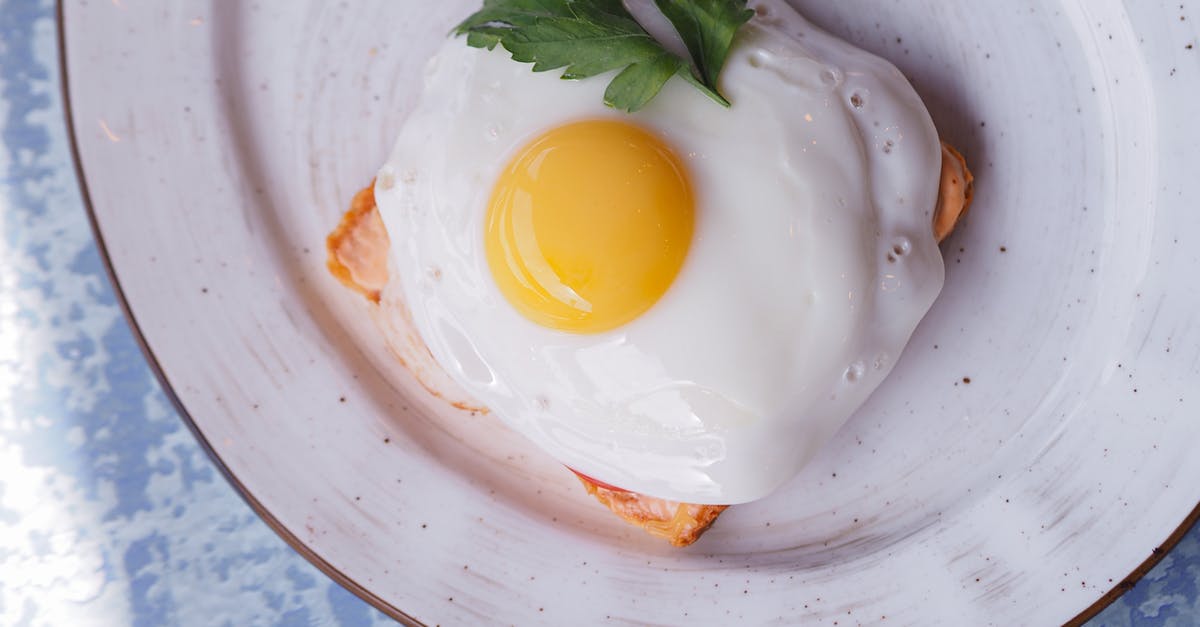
[{"x": 588, "y": 225}]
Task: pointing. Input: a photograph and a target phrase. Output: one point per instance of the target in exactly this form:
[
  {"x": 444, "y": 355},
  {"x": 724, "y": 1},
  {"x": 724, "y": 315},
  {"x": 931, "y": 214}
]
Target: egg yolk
[{"x": 588, "y": 225}]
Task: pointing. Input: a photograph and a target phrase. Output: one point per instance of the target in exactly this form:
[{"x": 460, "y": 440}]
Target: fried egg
[{"x": 686, "y": 302}]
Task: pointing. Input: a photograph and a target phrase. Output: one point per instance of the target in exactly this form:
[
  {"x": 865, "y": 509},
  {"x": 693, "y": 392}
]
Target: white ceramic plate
[{"x": 219, "y": 142}]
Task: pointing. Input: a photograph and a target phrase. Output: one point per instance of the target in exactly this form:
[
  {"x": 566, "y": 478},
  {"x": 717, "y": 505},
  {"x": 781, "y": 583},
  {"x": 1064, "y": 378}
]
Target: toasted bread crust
[
  {"x": 680, "y": 524},
  {"x": 357, "y": 249},
  {"x": 955, "y": 194}
]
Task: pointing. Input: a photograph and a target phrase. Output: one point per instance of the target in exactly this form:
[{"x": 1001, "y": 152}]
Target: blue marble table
[{"x": 110, "y": 513}]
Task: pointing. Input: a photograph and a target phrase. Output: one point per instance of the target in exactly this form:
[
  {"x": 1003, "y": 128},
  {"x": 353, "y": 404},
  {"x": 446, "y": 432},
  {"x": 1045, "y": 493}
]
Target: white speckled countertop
[{"x": 110, "y": 513}]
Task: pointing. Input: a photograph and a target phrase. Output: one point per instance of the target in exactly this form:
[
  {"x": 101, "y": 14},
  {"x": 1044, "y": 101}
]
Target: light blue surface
[{"x": 110, "y": 513}]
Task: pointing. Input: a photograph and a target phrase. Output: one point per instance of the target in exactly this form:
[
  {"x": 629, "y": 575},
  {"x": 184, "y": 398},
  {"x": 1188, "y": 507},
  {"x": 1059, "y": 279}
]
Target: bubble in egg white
[
  {"x": 709, "y": 451},
  {"x": 858, "y": 99},
  {"x": 855, "y": 372},
  {"x": 832, "y": 77}
]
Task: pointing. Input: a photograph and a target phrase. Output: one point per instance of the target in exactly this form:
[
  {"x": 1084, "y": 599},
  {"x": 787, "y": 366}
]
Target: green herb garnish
[
  {"x": 707, "y": 28},
  {"x": 590, "y": 37}
]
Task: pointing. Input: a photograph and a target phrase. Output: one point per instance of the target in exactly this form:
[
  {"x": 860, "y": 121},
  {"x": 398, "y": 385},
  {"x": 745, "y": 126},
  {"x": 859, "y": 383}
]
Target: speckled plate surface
[{"x": 1032, "y": 447}]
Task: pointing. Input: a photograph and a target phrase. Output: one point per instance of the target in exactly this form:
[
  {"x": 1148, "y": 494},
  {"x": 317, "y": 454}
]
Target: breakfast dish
[
  {"x": 681, "y": 304},
  {"x": 1047, "y": 470}
]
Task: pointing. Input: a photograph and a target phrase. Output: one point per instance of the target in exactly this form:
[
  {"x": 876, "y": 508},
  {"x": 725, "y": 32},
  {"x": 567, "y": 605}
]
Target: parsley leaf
[
  {"x": 707, "y": 28},
  {"x": 640, "y": 83},
  {"x": 590, "y": 37}
]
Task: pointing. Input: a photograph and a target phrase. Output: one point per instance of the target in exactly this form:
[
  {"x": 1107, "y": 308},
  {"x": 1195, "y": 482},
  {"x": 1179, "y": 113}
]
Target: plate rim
[
  {"x": 160, "y": 375},
  {"x": 1157, "y": 554}
]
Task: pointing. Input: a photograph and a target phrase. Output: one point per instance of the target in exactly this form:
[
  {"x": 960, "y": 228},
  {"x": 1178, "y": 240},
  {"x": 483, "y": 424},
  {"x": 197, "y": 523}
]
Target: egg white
[{"x": 812, "y": 262}]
